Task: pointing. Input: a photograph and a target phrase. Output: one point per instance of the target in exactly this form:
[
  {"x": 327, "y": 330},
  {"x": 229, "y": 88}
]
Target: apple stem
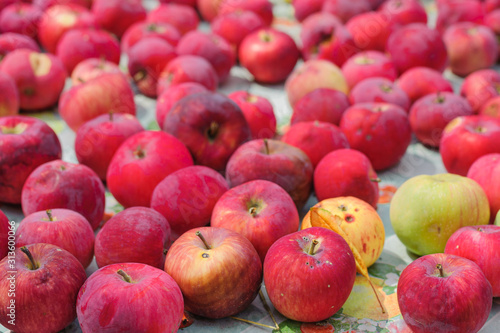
[
  {"x": 253, "y": 322},
  {"x": 125, "y": 276},
  {"x": 253, "y": 211},
  {"x": 375, "y": 180},
  {"x": 480, "y": 229},
  {"x": 139, "y": 153},
  {"x": 27, "y": 252},
  {"x": 268, "y": 309},
  {"x": 313, "y": 246},
  {"x": 140, "y": 75},
  {"x": 376, "y": 295},
  {"x": 440, "y": 268},
  {"x": 110, "y": 116},
  {"x": 439, "y": 97},
  {"x": 266, "y": 146},
  {"x": 213, "y": 129},
  {"x": 49, "y": 214},
  {"x": 198, "y": 233},
  {"x": 62, "y": 167}
]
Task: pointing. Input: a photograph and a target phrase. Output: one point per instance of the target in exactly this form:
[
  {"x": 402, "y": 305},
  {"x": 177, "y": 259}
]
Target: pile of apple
[{"x": 371, "y": 79}]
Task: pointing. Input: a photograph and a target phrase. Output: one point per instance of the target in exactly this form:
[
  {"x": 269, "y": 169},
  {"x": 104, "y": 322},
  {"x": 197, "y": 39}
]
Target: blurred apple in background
[
  {"x": 136, "y": 234},
  {"x": 370, "y": 30},
  {"x": 441, "y": 281},
  {"x": 143, "y": 299},
  {"x": 208, "y": 9},
  {"x": 263, "y": 8},
  {"x": 322, "y": 104},
  {"x": 21, "y": 18},
  {"x": 480, "y": 86},
  {"x": 404, "y": 12},
  {"x": 141, "y": 162},
  {"x": 9, "y": 96},
  {"x": 183, "y": 18},
  {"x": 346, "y": 9},
  {"x": 360, "y": 222},
  {"x": 346, "y": 172},
  {"x": 379, "y": 89},
  {"x": 5, "y": 227},
  {"x": 91, "y": 68},
  {"x": 309, "y": 274},
  {"x": 191, "y": 3},
  {"x": 10, "y": 41},
  {"x": 260, "y": 210},
  {"x": 47, "y": 277},
  {"x": 368, "y": 64},
  {"x": 451, "y": 202},
  {"x": 420, "y": 81},
  {"x": 187, "y": 197},
  {"x": 198, "y": 262},
  {"x": 98, "y": 139},
  {"x": 27, "y": 143},
  {"x": 491, "y": 108},
  {"x": 117, "y": 15},
  {"x": 454, "y": 11},
  {"x": 64, "y": 228},
  {"x": 140, "y": 30},
  {"x": 45, "y": 4},
  {"x": 303, "y": 8}
]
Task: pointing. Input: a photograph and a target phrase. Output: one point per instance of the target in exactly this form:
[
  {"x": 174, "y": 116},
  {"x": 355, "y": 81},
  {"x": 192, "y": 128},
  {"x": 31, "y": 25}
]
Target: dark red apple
[
  {"x": 21, "y": 18},
  {"x": 182, "y": 17},
  {"x": 346, "y": 9},
  {"x": 420, "y": 81},
  {"x": 322, "y": 104},
  {"x": 11, "y": 41},
  {"x": 480, "y": 86},
  {"x": 235, "y": 26},
  {"x": 9, "y": 96},
  {"x": 117, "y": 15},
  {"x": 379, "y": 89},
  {"x": 368, "y": 64},
  {"x": 144, "y": 29}
]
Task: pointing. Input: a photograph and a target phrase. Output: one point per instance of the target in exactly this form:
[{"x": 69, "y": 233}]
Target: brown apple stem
[
  {"x": 376, "y": 180},
  {"x": 253, "y": 211},
  {"x": 480, "y": 229},
  {"x": 440, "y": 268},
  {"x": 49, "y": 214},
  {"x": 198, "y": 233},
  {"x": 125, "y": 276},
  {"x": 439, "y": 97},
  {"x": 313, "y": 246},
  {"x": 110, "y": 116},
  {"x": 27, "y": 252},
  {"x": 376, "y": 295},
  {"x": 62, "y": 167},
  {"x": 266, "y": 146},
  {"x": 268, "y": 309},
  {"x": 80, "y": 80}
]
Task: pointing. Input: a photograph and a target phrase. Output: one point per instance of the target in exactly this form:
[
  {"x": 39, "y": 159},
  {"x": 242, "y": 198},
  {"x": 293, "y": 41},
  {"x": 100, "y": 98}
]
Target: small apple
[
  {"x": 20, "y": 17},
  {"x": 481, "y": 86},
  {"x": 420, "y": 81},
  {"x": 368, "y": 64},
  {"x": 91, "y": 68},
  {"x": 9, "y": 96},
  {"x": 182, "y": 17},
  {"x": 117, "y": 15},
  {"x": 379, "y": 89},
  {"x": 144, "y": 29},
  {"x": 322, "y": 104}
]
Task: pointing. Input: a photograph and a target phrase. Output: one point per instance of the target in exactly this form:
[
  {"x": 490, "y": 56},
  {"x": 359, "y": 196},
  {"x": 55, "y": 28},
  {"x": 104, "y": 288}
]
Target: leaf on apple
[{"x": 323, "y": 218}]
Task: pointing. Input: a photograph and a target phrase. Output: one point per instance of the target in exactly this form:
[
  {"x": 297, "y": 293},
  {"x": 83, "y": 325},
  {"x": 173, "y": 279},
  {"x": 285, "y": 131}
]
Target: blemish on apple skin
[
  {"x": 349, "y": 218},
  {"x": 364, "y": 247}
]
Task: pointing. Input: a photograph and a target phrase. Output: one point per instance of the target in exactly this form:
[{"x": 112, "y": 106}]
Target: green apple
[{"x": 426, "y": 210}]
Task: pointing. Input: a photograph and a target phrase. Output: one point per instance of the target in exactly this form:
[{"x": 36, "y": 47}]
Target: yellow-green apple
[
  {"x": 39, "y": 77},
  {"x": 129, "y": 297},
  {"x": 91, "y": 68},
  {"x": 322, "y": 104},
  {"x": 315, "y": 138},
  {"x": 275, "y": 161},
  {"x": 346, "y": 172},
  {"x": 311, "y": 75},
  {"x": 11, "y": 41},
  {"x": 454, "y": 11},
  {"x": 141, "y": 162},
  {"x": 60, "y": 184},
  {"x": 215, "y": 49},
  {"x": 269, "y": 55},
  {"x": 420, "y": 81},
  {"x": 146, "y": 60},
  {"x": 467, "y": 138},
  {"x": 9, "y": 96},
  {"x": 346, "y": 9},
  {"x": 371, "y": 30},
  {"x": 182, "y": 17},
  {"x": 486, "y": 172},
  {"x": 430, "y": 114},
  {"x": 210, "y": 125},
  {"x": 20, "y": 17},
  {"x": 58, "y": 19},
  {"x": 144, "y": 29},
  {"x": 434, "y": 284},
  {"x": 491, "y": 108},
  {"x": 173, "y": 94},
  {"x": 98, "y": 139},
  {"x": 379, "y": 89},
  {"x": 427, "y": 209},
  {"x": 27, "y": 143},
  {"x": 117, "y": 15},
  {"x": 404, "y": 12},
  {"x": 263, "y": 8},
  {"x": 136, "y": 234},
  {"x": 480, "y": 86},
  {"x": 64, "y": 228},
  {"x": 479, "y": 244},
  {"x": 323, "y": 36},
  {"x": 44, "y": 277},
  {"x": 380, "y": 130},
  {"x": 303, "y": 8},
  {"x": 235, "y": 26},
  {"x": 104, "y": 94},
  {"x": 309, "y": 274},
  {"x": 260, "y": 210},
  {"x": 188, "y": 68},
  {"x": 258, "y": 112},
  {"x": 7, "y": 229},
  {"x": 360, "y": 222},
  {"x": 45, "y": 4},
  {"x": 470, "y": 47},
  {"x": 199, "y": 260},
  {"x": 76, "y": 45},
  {"x": 187, "y": 197},
  {"x": 368, "y": 64}
]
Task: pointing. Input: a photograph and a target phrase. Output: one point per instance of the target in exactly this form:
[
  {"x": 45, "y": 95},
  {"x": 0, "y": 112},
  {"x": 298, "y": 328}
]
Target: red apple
[
  {"x": 303, "y": 8},
  {"x": 403, "y": 12},
  {"x": 117, "y": 15},
  {"x": 274, "y": 161},
  {"x": 370, "y": 30},
  {"x": 64, "y": 228},
  {"x": 143, "y": 299},
  {"x": 27, "y": 143},
  {"x": 368, "y": 64},
  {"x": 91, "y": 68},
  {"x": 136, "y": 234},
  {"x": 141, "y": 162},
  {"x": 420, "y": 81},
  {"x": 7, "y": 235},
  {"x": 346, "y": 172},
  {"x": 441, "y": 281},
  {"x": 182, "y": 17},
  {"x": 39, "y": 77},
  {"x": 46, "y": 277},
  {"x": 467, "y": 138},
  {"x": 208, "y": 9},
  {"x": 309, "y": 274},
  {"x": 491, "y": 5},
  {"x": 144, "y": 29},
  {"x": 210, "y": 125},
  {"x": 346, "y": 9},
  {"x": 491, "y": 108},
  {"x": 235, "y": 26},
  {"x": 60, "y": 184},
  {"x": 187, "y": 197},
  {"x": 258, "y": 112},
  {"x": 108, "y": 93},
  {"x": 322, "y": 104},
  {"x": 269, "y": 55},
  {"x": 379, "y": 130},
  {"x": 77, "y": 45},
  {"x": 11, "y": 41},
  {"x": 430, "y": 114},
  {"x": 9, "y": 96},
  {"x": 260, "y": 210},
  {"x": 98, "y": 139},
  {"x": 492, "y": 21},
  {"x": 379, "y": 89},
  {"x": 486, "y": 172},
  {"x": 199, "y": 260},
  {"x": 191, "y": 3},
  {"x": 45, "y": 4},
  {"x": 263, "y": 8},
  {"x": 21, "y": 18},
  {"x": 480, "y": 86},
  {"x": 454, "y": 11}
]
